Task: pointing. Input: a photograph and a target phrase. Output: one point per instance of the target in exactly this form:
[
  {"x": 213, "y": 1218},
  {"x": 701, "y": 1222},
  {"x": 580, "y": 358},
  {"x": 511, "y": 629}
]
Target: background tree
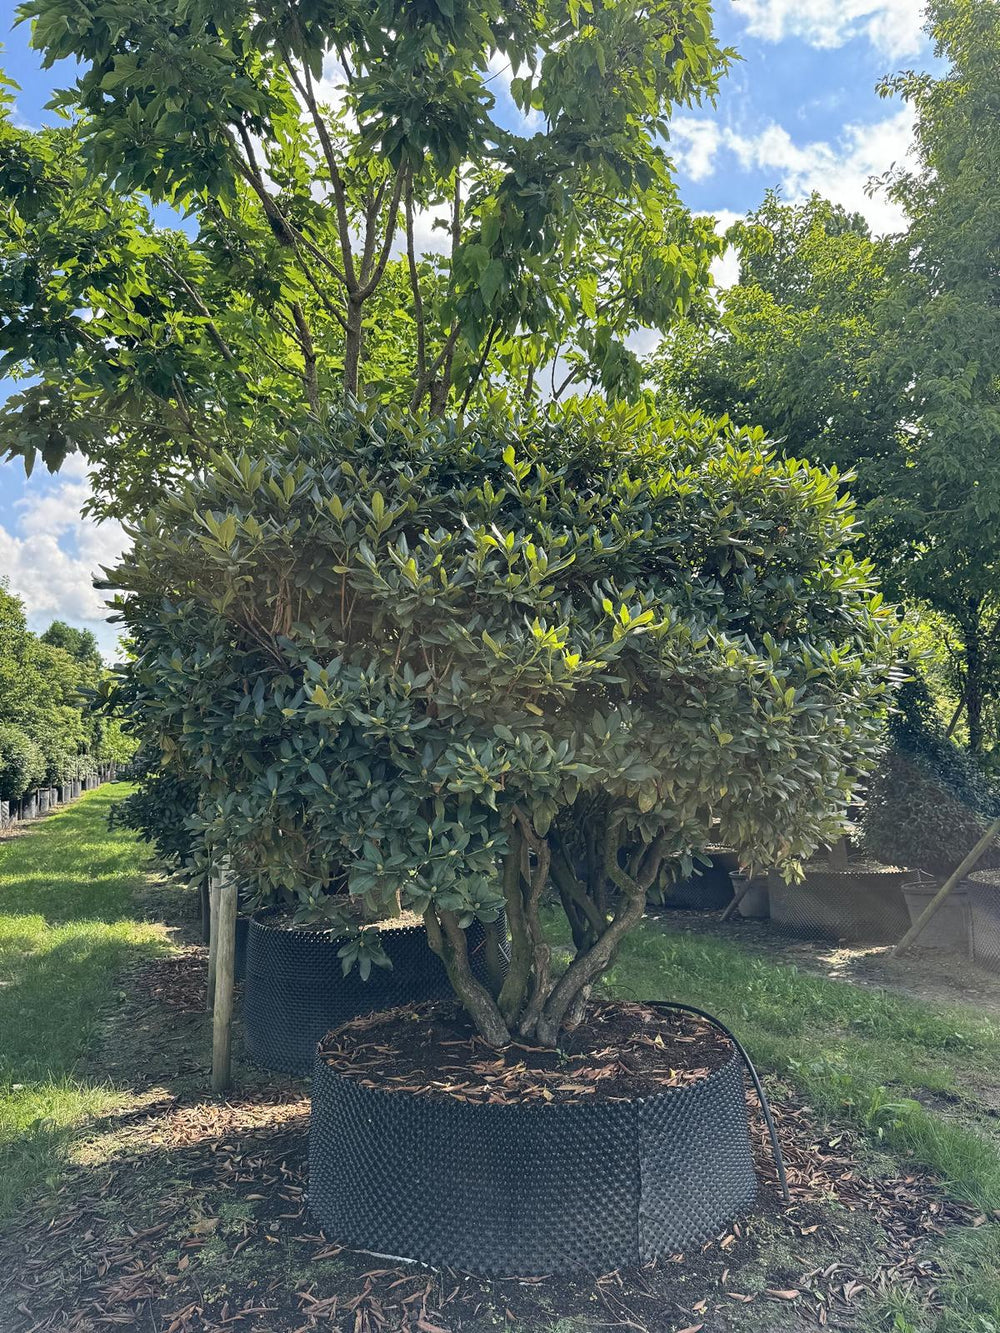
[
  {"x": 942, "y": 345},
  {"x": 308, "y": 150},
  {"x": 883, "y": 356},
  {"x": 790, "y": 346},
  {"x": 52, "y": 726},
  {"x": 79, "y": 643},
  {"x": 405, "y": 664}
]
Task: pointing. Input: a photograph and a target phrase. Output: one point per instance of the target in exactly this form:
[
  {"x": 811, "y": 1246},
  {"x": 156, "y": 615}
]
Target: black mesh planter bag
[
  {"x": 528, "y": 1189},
  {"x": 852, "y": 904},
  {"x": 295, "y": 991}
]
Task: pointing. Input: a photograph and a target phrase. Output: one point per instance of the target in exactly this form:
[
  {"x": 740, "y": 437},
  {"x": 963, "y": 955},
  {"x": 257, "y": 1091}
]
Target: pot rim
[{"x": 331, "y": 934}]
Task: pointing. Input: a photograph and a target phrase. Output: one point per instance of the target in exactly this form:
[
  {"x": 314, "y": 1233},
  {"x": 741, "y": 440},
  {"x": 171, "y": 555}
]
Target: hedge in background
[
  {"x": 408, "y": 663},
  {"x": 22, "y": 764},
  {"x": 928, "y": 802}
]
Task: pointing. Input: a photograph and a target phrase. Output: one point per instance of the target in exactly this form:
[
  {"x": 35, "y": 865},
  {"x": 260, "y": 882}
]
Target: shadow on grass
[
  {"x": 50, "y": 1009},
  {"x": 69, "y": 927}
]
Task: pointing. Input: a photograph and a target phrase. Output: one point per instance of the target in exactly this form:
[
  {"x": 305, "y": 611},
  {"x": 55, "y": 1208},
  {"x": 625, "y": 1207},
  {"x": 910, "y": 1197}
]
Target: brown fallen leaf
[{"x": 789, "y": 1294}]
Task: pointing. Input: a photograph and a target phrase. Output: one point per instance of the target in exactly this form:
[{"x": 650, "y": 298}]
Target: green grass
[
  {"x": 862, "y": 1057},
  {"x": 68, "y": 924},
  {"x": 859, "y": 1055}
]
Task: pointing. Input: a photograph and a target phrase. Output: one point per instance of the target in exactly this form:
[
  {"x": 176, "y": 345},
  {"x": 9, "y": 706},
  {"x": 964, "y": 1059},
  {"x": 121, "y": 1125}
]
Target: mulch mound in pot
[{"x": 619, "y": 1053}]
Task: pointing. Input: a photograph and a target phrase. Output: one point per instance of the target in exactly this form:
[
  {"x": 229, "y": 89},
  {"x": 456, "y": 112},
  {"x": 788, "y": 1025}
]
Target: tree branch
[
  {"x": 308, "y": 356},
  {"x": 307, "y": 93},
  {"x": 392, "y": 219},
  {"x": 418, "y": 300}
]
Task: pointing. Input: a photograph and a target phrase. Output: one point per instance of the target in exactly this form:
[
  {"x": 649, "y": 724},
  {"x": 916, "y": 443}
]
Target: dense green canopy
[
  {"x": 391, "y": 656},
  {"x": 360, "y": 217}
]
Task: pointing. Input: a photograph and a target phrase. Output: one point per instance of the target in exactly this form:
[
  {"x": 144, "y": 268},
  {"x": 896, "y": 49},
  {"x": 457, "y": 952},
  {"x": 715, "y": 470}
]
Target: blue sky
[{"x": 799, "y": 112}]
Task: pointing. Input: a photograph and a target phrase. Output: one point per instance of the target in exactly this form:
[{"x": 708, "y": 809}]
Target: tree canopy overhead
[{"x": 310, "y": 146}]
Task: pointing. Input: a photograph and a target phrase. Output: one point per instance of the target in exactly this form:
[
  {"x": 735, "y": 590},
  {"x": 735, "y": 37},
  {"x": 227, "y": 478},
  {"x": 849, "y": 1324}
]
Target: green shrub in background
[
  {"x": 161, "y": 808},
  {"x": 929, "y": 801},
  {"x": 22, "y": 764},
  {"x": 403, "y": 662}
]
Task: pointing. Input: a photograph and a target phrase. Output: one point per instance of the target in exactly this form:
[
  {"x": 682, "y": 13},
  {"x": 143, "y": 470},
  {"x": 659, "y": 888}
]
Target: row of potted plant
[{"x": 39, "y": 801}]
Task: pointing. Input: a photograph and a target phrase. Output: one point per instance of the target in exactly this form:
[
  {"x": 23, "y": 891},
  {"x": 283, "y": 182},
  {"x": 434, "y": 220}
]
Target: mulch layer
[
  {"x": 621, "y": 1051},
  {"x": 193, "y": 1218}
]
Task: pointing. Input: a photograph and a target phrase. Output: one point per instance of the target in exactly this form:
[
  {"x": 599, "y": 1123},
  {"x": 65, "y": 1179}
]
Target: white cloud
[
  {"x": 893, "y": 27},
  {"x": 838, "y": 171},
  {"x": 726, "y": 269},
  {"x": 694, "y": 144},
  {"x": 50, "y": 555},
  {"x": 501, "y": 73}
]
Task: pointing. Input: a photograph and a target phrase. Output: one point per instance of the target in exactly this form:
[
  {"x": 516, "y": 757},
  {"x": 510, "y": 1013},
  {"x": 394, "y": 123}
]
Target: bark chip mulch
[{"x": 620, "y": 1052}]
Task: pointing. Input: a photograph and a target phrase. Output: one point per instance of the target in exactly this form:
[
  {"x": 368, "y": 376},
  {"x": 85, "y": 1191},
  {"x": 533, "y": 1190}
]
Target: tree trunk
[
  {"x": 204, "y": 910},
  {"x": 448, "y": 941},
  {"x": 513, "y": 994},
  {"x": 353, "y": 340},
  {"x": 974, "y": 683}
]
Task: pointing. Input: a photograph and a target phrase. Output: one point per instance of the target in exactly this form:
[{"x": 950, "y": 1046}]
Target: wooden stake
[
  {"x": 214, "y": 889},
  {"x": 225, "y": 963},
  {"x": 970, "y": 862},
  {"x": 737, "y": 898}
]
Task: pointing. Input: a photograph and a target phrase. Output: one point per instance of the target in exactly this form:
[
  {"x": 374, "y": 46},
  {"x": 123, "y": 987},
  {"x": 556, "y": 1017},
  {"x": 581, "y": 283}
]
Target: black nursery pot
[
  {"x": 295, "y": 990},
  {"x": 528, "y": 1189},
  {"x": 240, "y": 955}
]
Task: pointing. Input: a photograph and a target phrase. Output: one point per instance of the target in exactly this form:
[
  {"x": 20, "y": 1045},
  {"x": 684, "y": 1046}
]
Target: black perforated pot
[
  {"x": 240, "y": 955},
  {"x": 853, "y": 904},
  {"x": 528, "y": 1189},
  {"x": 295, "y": 991}
]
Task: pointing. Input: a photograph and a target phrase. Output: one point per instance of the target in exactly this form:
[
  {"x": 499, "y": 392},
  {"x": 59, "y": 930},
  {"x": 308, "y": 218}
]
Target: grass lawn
[
  {"x": 68, "y": 924},
  {"x": 870, "y": 1057}
]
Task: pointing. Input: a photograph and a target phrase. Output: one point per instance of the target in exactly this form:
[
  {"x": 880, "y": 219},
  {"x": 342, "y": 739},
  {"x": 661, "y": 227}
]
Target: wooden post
[
  {"x": 214, "y": 889},
  {"x": 738, "y": 896},
  {"x": 225, "y": 966},
  {"x": 970, "y": 862}
]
